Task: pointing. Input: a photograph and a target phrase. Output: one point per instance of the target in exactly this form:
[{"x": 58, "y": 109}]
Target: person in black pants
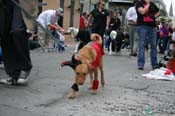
[{"x": 15, "y": 44}]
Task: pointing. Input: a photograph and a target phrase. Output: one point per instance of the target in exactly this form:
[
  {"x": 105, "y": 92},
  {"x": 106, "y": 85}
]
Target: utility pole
[
  {"x": 62, "y": 4},
  {"x": 72, "y": 13}
]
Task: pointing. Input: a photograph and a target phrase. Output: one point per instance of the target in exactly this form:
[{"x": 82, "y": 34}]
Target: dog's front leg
[
  {"x": 110, "y": 48},
  {"x": 91, "y": 80},
  {"x": 77, "y": 46},
  {"x": 72, "y": 94}
]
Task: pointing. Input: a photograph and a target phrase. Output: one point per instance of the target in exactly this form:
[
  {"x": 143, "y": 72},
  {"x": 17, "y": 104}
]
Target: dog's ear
[
  {"x": 67, "y": 63},
  {"x": 73, "y": 63},
  {"x": 75, "y": 60}
]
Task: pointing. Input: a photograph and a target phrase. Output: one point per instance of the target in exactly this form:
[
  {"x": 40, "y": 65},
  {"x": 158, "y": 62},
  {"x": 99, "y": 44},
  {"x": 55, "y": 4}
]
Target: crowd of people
[{"x": 141, "y": 28}]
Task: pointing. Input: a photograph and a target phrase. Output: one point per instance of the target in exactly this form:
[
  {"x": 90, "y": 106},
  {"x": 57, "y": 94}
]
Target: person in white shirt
[
  {"x": 172, "y": 44},
  {"x": 48, "y": 19},
  {"x": 173, "y": 35},
  {"x": 131, "y": 17}
]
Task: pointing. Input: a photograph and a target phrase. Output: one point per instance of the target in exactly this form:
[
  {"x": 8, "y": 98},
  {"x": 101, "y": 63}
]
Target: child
[
  {"x": 171, "y": 61},
  {"x": 173, "y": 35},
  {"x": 172, "y": 46}
]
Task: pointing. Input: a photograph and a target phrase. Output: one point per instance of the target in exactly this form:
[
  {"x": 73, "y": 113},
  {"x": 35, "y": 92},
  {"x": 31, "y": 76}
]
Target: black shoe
[
  {"x": 155, "y": 67},
  {"x": 140, "y": 68},
  {"x": 133, "y": 54}
]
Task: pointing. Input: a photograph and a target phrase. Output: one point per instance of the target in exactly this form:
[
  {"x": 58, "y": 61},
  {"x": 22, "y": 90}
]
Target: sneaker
[
  {"x": 23, "y": 78},
  {"x": 9, "y": 81},
  {"x": 22, "y": 81}
]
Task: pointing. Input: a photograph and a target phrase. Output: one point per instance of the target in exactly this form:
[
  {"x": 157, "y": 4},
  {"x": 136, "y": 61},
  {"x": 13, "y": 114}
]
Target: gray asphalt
[{"x": 126, "y": 92}]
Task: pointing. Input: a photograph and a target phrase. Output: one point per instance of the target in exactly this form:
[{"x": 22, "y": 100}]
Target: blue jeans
[
  {"x": 106, "y": 41},
  {"x": 149, "y": 34},
  {"x": 58, "y": 43}
]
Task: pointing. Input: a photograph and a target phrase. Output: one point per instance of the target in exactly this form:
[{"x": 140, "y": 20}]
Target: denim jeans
[
  {"x": 106, "y": 41},
  {"x": 58, "y": 43},
  {"x": 149, "y": 34}
]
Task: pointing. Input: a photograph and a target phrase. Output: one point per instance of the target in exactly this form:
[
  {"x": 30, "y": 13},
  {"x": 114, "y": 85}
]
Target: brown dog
[{"x": 87, "y": 61}]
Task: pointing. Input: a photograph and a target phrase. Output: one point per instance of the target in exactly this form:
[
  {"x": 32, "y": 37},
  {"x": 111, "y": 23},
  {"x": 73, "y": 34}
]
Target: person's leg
[
  {"x": 22, "y": 53},
  {"x": 160, "y": 44},
  {"x": 101, "y": 33},
  {"x": 136, "y": 40},
  {"x": 165, "y": 44},
  {"x": 42, "y": 37},
  {"x": 131, "y": 37},
  {"x": 9, "y": 56},
  {"x": 168, "y": 43},
  {"x": 152, "y": 39},
  {"x": 106, "y": 42},
  {"x": 56, "y": 39},
  {"x": 141, "y": 30}
]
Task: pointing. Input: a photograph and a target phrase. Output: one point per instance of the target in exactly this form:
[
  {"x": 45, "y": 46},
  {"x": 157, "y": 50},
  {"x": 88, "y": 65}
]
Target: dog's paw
[
  {"x": 90, "y": 87},
  {"x": 102, "y": 83},
  {"x": 94, "y": 92},
  {"x": 71, "y": 95}
]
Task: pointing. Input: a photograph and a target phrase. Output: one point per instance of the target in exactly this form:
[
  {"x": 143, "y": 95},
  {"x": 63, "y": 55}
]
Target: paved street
[{"x": 126, "y": 93}]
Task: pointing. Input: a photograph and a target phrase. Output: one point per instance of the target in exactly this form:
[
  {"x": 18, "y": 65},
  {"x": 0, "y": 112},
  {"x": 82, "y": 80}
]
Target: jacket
[{"x": 31, "y": 7}]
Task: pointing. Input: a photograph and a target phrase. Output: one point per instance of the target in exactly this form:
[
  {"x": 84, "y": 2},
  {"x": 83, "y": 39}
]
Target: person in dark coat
[{"x": 15, "y": 44}]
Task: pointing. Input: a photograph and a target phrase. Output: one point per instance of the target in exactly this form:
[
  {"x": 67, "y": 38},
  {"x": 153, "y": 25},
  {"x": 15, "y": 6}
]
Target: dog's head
[
  {"x": 81, "y": 69},
  {"x": 81, "y": 72},
  {"x": 73, "y": 31},
  {"x": 113, "y": 35}
]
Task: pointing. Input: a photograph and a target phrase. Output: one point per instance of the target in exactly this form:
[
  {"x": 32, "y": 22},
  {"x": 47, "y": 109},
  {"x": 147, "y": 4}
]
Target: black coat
[{"x": 6, "y": 17}]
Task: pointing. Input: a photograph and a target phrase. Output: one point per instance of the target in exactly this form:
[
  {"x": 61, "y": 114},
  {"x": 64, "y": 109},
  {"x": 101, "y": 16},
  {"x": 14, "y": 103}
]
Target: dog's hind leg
[{"x": 102, "y": 72}]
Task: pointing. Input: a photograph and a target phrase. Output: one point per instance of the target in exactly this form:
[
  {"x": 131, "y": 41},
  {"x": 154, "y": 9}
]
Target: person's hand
[
  {"x": 132, "y": 22},
  {"x": 62, "y": 31},
  {"x": 147, "y": 1}
]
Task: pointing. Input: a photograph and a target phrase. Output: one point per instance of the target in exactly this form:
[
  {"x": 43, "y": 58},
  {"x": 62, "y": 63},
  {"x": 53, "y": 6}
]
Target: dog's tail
[{"x": 97, "y": 38}]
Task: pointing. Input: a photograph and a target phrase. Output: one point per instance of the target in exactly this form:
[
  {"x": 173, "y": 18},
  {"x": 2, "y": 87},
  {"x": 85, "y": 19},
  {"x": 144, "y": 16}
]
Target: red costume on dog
[{"x": 99, "y": 53}]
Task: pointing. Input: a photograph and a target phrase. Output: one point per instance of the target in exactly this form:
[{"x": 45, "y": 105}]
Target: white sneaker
[
  {"x": 24, "y": 77},
  {"x": 22, "y": 81},
  {"x": 24, "y": 74},
  {"x": 9, "y": 81}
]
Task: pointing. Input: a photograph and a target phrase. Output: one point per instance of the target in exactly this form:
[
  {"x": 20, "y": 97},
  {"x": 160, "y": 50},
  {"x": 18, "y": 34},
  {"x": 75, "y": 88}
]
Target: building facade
[{"x": 73, "y": 8}]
